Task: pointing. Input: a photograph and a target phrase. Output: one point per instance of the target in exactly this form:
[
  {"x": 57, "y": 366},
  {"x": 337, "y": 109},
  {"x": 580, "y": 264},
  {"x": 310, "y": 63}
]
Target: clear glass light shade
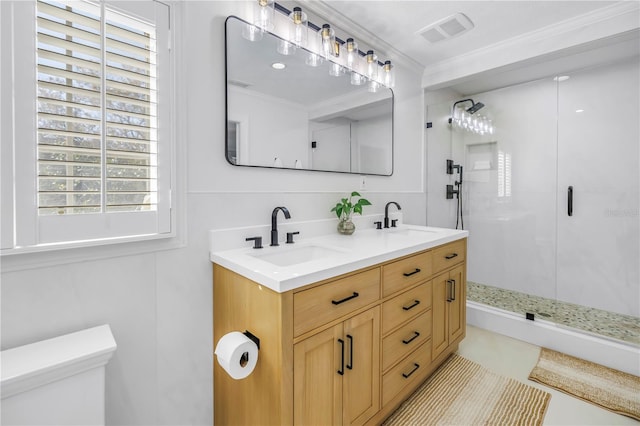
[
  {"x": 374, "y": 86},
  {"x": 313, "y": 59},
  {"x": 286, "y": 48},
  {"x": 297, "y": 28},
  {"x": 252, "y": 32},
  {"x": 327, "y": 41},
  {"x": 371, "y": 61},
  {"x": 353, "y": 57},
  {"x": 357, "y": 79},
  {"x": 264, "y": 14},
  {"x": 388, "y": 75},
  {"x": 336, "y": 70}
]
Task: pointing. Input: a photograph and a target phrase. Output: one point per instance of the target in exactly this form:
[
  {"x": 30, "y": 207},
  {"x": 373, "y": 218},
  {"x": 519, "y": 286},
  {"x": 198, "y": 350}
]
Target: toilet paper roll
[{"x": 237, "y": 354}]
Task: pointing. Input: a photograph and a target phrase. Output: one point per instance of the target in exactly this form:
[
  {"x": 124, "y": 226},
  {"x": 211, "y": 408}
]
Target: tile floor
[
  {"x": 515, "y": 358},
  {"x": 591, "y": 320}
]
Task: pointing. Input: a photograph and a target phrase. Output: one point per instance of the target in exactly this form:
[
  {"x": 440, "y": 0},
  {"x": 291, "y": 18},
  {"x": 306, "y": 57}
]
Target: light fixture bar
[{"x": 280, "y": 8}]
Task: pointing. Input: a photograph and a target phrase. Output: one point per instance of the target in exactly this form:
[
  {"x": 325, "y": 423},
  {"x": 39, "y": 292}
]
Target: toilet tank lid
[{"x": 29, "y": 366}]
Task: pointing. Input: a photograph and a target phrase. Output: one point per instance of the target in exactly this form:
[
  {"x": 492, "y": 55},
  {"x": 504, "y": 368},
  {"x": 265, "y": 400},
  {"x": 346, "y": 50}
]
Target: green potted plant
[{"x": 345, "y": 208}]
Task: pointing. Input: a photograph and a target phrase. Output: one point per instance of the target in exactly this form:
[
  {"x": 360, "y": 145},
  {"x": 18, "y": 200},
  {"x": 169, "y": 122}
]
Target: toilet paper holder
[{"x": 253, "y": 337}]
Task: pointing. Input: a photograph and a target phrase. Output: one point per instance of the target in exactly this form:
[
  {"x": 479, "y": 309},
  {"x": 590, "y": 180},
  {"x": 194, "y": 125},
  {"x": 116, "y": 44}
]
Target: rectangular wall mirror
[{"x": 297, "y": 116}]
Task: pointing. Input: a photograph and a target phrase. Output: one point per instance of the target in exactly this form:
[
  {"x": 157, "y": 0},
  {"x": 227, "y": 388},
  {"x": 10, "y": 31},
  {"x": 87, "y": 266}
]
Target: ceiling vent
[{"x": 449, "y": 27}]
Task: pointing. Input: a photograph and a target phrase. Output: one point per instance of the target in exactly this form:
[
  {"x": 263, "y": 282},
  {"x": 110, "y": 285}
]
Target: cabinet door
[
  {"x": 361, "y": 385},
  {"x": 457, "y": 306},
  {"x": 317, "y": 384},
  {"x": 440, "y": 319}
]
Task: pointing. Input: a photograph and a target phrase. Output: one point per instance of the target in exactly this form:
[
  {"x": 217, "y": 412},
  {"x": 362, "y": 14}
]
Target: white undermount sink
[{"x": 287, "y": 256}]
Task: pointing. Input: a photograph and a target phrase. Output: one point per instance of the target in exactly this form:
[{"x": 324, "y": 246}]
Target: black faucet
[
  {"x": 274, "y": 223},
  {"x": 386, "y": 213}
]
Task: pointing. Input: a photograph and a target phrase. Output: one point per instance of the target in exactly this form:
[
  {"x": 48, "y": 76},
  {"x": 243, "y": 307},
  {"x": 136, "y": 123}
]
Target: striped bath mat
[
  {"x": 611, "y": 389},
  {"x": 462, "y": 392}
]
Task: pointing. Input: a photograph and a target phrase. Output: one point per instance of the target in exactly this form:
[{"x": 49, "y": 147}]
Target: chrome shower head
[{"x": 475, "y": 107}]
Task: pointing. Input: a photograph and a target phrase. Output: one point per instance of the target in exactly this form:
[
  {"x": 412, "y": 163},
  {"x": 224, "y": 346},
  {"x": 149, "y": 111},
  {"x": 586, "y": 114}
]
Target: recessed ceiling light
[
  {"x": 579, "y": 110},
  {"x": 278, "y": 66},
  {"x": 561, "y": 78}
]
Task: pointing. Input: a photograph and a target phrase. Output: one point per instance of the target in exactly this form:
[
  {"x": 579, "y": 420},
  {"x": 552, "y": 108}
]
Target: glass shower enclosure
[{"x": 551, "y": 199}]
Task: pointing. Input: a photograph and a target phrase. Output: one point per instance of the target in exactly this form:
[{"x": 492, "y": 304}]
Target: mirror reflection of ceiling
[{"x": 251, "y": 64}]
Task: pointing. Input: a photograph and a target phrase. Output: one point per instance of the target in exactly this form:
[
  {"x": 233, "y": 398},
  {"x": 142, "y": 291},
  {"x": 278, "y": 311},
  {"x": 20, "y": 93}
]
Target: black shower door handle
[{"x": 570, "y": 201}]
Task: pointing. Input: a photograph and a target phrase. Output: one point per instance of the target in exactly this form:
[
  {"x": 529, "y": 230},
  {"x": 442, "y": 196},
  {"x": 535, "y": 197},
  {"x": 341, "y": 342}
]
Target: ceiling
[
  {"x": 399, "y": 22},
  {"x": 396, "y": 25}
]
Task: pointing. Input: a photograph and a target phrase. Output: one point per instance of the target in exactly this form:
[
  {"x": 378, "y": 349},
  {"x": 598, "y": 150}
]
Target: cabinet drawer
[
  {"x": 410, "y": 371},
  {"x": 403, "y": 273},
  {"x": 319, "y": 305},
  {"x": 449, "y": 255},
  {"x": 404, "y": 340},
  {"x": 405, "y": 306}
]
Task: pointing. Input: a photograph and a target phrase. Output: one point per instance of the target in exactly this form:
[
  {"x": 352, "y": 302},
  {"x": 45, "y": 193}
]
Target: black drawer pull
[
  {"x": 406, "y": 375},
  {"x": 451, "y": 256},
  {"x": 408, "y": 274},
  {"x": 415, "y": 303},
  {"x": 341, "y": 371},
  {"x": 350, "y": 365},
  {"x": 353, "y": 296},
  {"x": 415, "y": 335}
]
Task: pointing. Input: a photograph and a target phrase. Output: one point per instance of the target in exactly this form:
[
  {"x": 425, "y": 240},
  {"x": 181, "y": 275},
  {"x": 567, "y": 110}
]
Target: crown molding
[{"x": 606, "y": 22}]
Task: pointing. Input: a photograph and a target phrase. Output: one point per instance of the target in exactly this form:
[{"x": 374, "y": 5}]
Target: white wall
[
  {"x": 281, "y": 123},
  {"x": 159, "y": 303}
]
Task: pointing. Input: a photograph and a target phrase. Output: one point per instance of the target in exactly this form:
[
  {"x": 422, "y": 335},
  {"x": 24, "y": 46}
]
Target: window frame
[{"x": 22, "y": 229}]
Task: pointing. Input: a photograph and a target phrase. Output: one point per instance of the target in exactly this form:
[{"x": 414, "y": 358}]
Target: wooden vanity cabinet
[
  {"x": 337, "y": 373},
  {"x": 347, "y": 350},
  {"x": 449, "y": 296}
]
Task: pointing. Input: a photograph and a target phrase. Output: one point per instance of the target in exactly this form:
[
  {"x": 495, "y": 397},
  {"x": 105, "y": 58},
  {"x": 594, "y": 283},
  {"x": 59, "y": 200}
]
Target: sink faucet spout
[
  {"x": 386, "y": 212},
  {"x": 274, "y": 223}
]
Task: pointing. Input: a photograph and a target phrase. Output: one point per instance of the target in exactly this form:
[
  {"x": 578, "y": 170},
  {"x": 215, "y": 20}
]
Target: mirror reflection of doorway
[
  {"x": 233, "y": 132},
  {"x": 333, "y": 149}
]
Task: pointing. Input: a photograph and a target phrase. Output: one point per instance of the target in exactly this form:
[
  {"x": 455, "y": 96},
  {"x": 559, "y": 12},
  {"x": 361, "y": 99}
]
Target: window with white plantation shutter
[
  {"x": 92, "y": 139},
  {"x": 97, "y": 115}
]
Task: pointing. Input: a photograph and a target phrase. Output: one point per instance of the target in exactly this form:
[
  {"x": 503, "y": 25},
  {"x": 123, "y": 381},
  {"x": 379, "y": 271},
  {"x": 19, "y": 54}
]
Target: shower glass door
[{"x": 598, "y": 156}]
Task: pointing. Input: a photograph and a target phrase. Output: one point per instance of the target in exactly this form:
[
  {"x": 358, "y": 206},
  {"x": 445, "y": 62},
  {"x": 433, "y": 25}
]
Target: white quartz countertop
[{"x": 290, "y": 266}]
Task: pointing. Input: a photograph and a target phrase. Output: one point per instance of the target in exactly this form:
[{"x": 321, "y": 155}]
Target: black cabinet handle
[
  {"x": 453, "y": 290},
  {"x": 408, "y": 274},
  {"x": 350, "y": 365},
  {"x": 449, "y": 286},
  {"x": 570, "y": 201},
  {"x": 415, "y": 335},
  {"x": 415, "y": 367},
  {"x": 415, "y": 303},
  {"x": 451, "y": 256},
  {"x": 341, "y": 371},
  {"x": 353, "y": 296}
]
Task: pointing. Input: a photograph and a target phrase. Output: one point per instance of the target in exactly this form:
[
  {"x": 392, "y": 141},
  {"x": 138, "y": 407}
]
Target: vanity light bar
[{"x": 280, "y": 8}]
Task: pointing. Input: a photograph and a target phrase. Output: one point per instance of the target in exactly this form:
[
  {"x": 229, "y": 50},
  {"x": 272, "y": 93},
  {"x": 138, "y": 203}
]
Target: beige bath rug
[
  {"x": 611, "y": 389},
  {"x": 462, "y": 392}
]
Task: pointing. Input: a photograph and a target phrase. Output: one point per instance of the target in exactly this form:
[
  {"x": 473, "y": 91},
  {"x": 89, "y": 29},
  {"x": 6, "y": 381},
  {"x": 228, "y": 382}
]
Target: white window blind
[
  {"x": 97, "y": 110},
  {"x": 91, "y": 141}
]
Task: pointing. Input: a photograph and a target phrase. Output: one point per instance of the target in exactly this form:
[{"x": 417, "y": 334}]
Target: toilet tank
[{"x": 59, "y": 381}]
